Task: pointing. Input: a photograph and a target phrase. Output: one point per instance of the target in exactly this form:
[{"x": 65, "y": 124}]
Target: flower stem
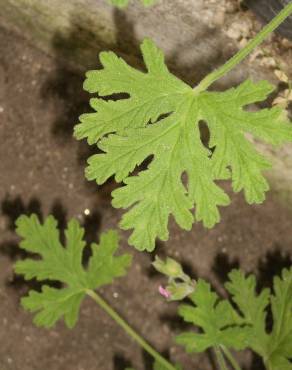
[
  {"x": 243, "y": 53},
  {"x": 230, "y": 358},
  {"x": 220, "y": 358},
  {"x": 119, "y": 320}
]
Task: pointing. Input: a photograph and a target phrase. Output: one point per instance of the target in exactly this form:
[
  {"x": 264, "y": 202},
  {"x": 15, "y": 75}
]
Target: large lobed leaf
[
  {"x": 160, "y": 121},
  {"x": 64, "y": 264}
]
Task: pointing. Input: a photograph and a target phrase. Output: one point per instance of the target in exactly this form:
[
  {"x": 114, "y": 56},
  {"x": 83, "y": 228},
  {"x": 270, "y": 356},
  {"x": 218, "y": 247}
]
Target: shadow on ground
[{"x": 13, "y": 208}]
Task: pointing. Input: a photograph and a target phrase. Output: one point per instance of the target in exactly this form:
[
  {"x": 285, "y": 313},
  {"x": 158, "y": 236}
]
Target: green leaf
[
  {"x": 220, "y": 324},
  {"x": 124, "y": 3},
  {"x": 52, "y": 304},
  {"x": 158, "y": 366},
  {"x": 275, "y": 347},
  {"x": 64, "y": 264},
  {"x": 280, "y": 340},
  {"x": 160, "y": 121},
  {"x": 252, "y": 306}
]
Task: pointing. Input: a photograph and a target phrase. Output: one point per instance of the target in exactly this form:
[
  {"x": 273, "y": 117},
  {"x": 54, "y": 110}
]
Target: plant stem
[
  {"x": 220, "y": 358},
  {"x": 119, "y": 320},
  {"x": 230, "y": 358},
  {"x": 243, "y": 53}
]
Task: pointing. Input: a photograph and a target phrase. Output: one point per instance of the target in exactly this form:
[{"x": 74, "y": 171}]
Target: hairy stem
[
  {"x": 119, "y": 320},
  {"x": 220, "y": 358},
  {"x": 243, "y": 53},
  {"x": 230, "y": 358}
]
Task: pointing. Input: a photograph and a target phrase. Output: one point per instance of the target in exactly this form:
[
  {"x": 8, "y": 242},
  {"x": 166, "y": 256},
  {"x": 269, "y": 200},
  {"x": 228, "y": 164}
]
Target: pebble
[
  {"x": 233, "y": 33},
  {"x": 286, "y": 43},
  {"x": 231, "y": 8},
  {"x": 268, "y": 62},
  {"x": 219, "y": 18}
]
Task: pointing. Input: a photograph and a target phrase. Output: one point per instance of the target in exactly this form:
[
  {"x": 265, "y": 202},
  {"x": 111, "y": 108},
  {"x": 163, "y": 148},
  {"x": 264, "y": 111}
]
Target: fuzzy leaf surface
[
  {"x": 276, "y": 347},
  {"x": 159, "y": 121},
  {"x": 64, "y": 264},
  {"x": 221, "y": 325}
]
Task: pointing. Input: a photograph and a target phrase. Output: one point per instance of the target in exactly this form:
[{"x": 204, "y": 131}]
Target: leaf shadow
[
  {"x": 222, "y": 265},
  {"x": 64, "y": 85},
  {"x": 120, "y": 362},
  {"x": 12, "y": 208},
  {"x": 271, "y": 265},
  {"x": 80, "y": 42}
]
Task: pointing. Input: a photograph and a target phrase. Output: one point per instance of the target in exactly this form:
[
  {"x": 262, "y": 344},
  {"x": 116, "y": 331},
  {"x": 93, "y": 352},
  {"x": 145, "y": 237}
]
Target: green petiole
[
  {"x": 230, "y": 358},
  {"x": 243, "y": 53},
  {"x": 220, "y": 358},
  {"x": 120, "y": 321}
]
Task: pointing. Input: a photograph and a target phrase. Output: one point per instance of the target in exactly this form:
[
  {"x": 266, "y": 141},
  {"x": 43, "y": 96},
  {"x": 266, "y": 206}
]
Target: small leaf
[
  {"x": 275, "y": 347},
  {"x": 64, "y": 264},
  {"x": 52, "y": 304},
  {"x": 104, "y": 267},
  {"x": 218, "y": 321},
  {"x": 252, "y": 306},
  {"x": 280, "y": 343}
]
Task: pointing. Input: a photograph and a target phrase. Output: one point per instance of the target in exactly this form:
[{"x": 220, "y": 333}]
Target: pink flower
[{"x": 164, "y": 292}]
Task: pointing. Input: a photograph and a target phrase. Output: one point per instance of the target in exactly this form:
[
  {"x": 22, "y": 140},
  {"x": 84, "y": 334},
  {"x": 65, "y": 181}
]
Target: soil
[{"x": 41, "y": 171}]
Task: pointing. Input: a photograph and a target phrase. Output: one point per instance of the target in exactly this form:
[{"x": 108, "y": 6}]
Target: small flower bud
[
  {"x": 180, "y": 291},
  {"x": 170, "y": 267}
]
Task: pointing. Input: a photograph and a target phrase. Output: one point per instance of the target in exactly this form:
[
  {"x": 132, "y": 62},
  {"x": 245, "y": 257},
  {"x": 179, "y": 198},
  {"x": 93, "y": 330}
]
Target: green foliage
[
  {"x": 275, "y": 347},
  {"x": 124, "y": 3},
  {"x": 180, "y": 285},
  {"x": 169, "y": 268},
  {"x": 220, "y": 323},
  {"x": 160, "y": 121},
  {"x": 158, "y": 366},
  {"x": 223, "y": 326},
  {"x": 64, "y": 264}
]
